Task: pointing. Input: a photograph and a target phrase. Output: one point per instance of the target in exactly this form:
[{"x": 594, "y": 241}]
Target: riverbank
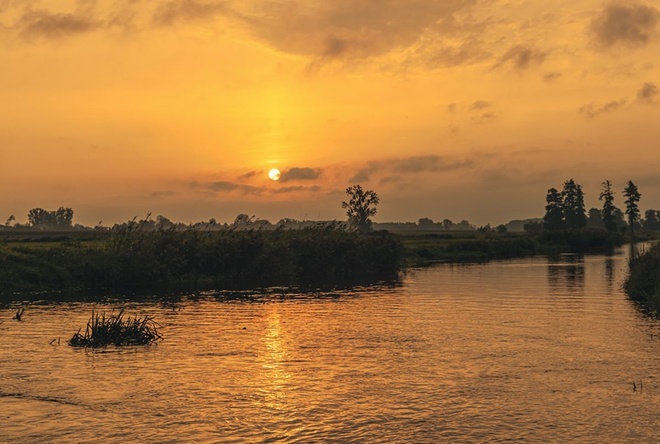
[
  {"x": 131, "y": 261},
  {"x": 134, "y": 261},
  {"x": 643, "y": 281}
]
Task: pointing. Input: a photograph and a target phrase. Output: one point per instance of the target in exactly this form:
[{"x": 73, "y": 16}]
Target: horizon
[{"x": 466, "y": 110}]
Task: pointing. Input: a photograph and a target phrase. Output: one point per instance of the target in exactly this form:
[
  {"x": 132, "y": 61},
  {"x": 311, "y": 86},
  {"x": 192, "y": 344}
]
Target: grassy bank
[
  {"x": 431, "y": 247},
  {"x": 643, "y": 281},
  {"x": 130, "y": 260}
]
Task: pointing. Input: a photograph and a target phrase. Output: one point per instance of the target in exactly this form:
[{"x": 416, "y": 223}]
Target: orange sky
[{"x": 463, "y": 109}]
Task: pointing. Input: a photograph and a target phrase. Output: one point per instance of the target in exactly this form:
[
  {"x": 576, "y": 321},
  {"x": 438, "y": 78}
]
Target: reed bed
[
  {"x": 117, "y": 330},
  {"x": 643, "y": 281}
]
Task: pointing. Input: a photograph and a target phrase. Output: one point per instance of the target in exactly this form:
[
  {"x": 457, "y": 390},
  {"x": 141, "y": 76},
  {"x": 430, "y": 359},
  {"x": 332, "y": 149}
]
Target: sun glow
[{"x": 274, "y": 174}]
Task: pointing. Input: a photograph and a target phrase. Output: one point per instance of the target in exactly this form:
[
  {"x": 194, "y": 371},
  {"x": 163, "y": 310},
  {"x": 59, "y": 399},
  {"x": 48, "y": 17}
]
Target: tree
[
  {"x": 595, "y": 219},
  {"x": 652, "y": 220},
  {"x": 63, "y": 217},
  {"x": 242, "y": 220},
  {"x": 501, "y": 229},
  {"x": 554, "y": 211},
  {"x": 607, "y": 197},
  {"x": 573, "y": 205},
  {"x": 360, "y": 207},
  {"x": 632, "y": 197},
  {"x": 10, "y": 219}
]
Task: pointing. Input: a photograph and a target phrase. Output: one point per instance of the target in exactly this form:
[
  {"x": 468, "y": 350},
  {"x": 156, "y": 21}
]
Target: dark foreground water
[{"x": 531, "y": 350}]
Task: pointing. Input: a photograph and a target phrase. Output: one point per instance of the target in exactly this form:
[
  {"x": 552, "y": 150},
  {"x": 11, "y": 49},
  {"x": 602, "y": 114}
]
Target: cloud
[
  {"x": 551, "y": 76},
  {"x": 408, "y": 165},
  {"x": 628, "y": 24},
  {"x": 249, "y": 175},
  {"x": 41, "y": 23},
  {"x": 593, "y": 110},
  {"x": 172, "y": 12},
  {"x": 647, "y": 93},
  {"x": 222, "y": 186},
  {"x": 522, "y": 57},
  {"x": 480, "y": 104},
  {"x": 300, "y": 174},
  {"x": 346, "y": 30},
  {"x": 159, "y": 194},
  {"x": 296, "y": 188}
]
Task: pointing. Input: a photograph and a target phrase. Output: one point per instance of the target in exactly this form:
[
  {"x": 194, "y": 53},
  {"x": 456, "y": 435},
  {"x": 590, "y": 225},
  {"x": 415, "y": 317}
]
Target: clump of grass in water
[{"x": 116, "y": 330}]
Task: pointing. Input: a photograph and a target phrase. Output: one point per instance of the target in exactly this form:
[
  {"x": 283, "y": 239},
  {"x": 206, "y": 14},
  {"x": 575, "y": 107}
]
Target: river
[{"x": 528, "y": 350}]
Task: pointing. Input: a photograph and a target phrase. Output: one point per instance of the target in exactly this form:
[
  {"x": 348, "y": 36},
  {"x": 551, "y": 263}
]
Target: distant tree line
[{"x": 565, "y": 210}]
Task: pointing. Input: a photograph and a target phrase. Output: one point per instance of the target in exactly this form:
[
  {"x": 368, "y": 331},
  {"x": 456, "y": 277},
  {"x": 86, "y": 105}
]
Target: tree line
[{"x": 565, "y": 210}]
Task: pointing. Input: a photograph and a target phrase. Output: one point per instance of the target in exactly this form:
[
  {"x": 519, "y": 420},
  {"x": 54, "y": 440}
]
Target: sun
[{"x": 274, "y": 174}]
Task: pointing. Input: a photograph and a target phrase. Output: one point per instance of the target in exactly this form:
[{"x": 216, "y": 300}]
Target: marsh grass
[
  {"x": 116, "y": 330},
  {"x": 643, "y": 281},
  {"x": 133, "y": 261}
]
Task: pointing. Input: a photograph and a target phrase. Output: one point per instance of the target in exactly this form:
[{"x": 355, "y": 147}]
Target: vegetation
[
  {"x": 608, "y": 215},
  {"x": 643, "y": 281},
  {"x": 130, "y": 260},
  {"x": 632, "y": 210},
  {"x": 360, "y": 207},
  {"x": 116, "y": 330}
]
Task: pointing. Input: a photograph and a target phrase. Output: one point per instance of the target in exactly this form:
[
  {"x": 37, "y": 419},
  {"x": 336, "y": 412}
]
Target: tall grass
[
  {"x": 116, "y": 330},
  {"x": 643, "y": 281},
  {"x": 134, "y": 261}
]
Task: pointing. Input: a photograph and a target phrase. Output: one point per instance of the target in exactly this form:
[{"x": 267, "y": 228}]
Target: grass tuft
[{"x": 116, "y": 330}]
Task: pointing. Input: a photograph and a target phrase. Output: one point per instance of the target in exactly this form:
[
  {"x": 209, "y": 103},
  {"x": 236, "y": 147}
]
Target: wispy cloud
[
  {"x": 172, "y": 12},
  {"x": 593, "y": 110},
  {"x": 647, "y": 93},
  {"x": 522, "y": 57},
  {"x": 45, "y": 24},
  {"x": 480, "y": 104},
  {"x": 408, "y": 165},
  {"x": 300, "y": 174},
  {"x": 629, "y": 24},
  {"x": 222, "y": 186}
]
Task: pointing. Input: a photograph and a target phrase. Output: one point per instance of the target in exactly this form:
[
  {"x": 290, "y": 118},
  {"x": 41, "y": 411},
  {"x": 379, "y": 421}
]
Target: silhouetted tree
[
  {"x": 632, "y": 197},
  {"x": 595, "y": 219},
  {"x": 360, "y": 207},
  {"x": 10, "y": 219},
  {"x": 607, "y": 197},
  {"x": 554, "y": 211},
  {"x": 533, "y": 227},
  {"x": 242, "y": 220},
  {"x": 447, "y": 224},
  {"x": 501, "y": 228},
  {"x": 652, "y": 220},
  {"x": 63, "y": 217},
  {"x": 426, "y": 223},
  {"x": 573, "y": 205}
]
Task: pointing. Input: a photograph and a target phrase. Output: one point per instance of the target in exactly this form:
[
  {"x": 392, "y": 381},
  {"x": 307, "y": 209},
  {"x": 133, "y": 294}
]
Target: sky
[{"x": 458, "y": 109}]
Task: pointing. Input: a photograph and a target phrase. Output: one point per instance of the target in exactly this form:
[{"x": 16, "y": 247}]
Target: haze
[{"x": 459, "y": 109}]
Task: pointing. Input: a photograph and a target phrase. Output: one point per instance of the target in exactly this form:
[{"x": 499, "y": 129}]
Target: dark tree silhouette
[
  {"x": 652, "y": 220},
  {"x": 62, "y": 218},
  {"x": 574, "y": 212},
  {"x": 632, "y": 210},
  {"x": 607, "y": 197},
  {"x": 360, "y": 207},
  {"x": 554, "y": 211}
]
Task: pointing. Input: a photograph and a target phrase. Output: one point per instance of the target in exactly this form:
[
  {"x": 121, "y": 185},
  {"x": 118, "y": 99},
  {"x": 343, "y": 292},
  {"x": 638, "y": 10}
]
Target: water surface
[{"x": 535, "y": 350}]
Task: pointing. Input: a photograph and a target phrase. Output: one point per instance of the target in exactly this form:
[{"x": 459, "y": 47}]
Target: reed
[
  {"x": 643, "y": 281},
  {"x": 116, "y": 330}
]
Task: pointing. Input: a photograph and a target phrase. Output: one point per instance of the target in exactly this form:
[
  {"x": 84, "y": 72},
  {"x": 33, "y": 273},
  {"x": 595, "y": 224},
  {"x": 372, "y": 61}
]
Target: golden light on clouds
[{"x": 177, "y": 107}]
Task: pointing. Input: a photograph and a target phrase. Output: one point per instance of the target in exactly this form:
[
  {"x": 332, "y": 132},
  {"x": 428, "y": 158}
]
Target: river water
[{"x": 529, "y": 350}]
